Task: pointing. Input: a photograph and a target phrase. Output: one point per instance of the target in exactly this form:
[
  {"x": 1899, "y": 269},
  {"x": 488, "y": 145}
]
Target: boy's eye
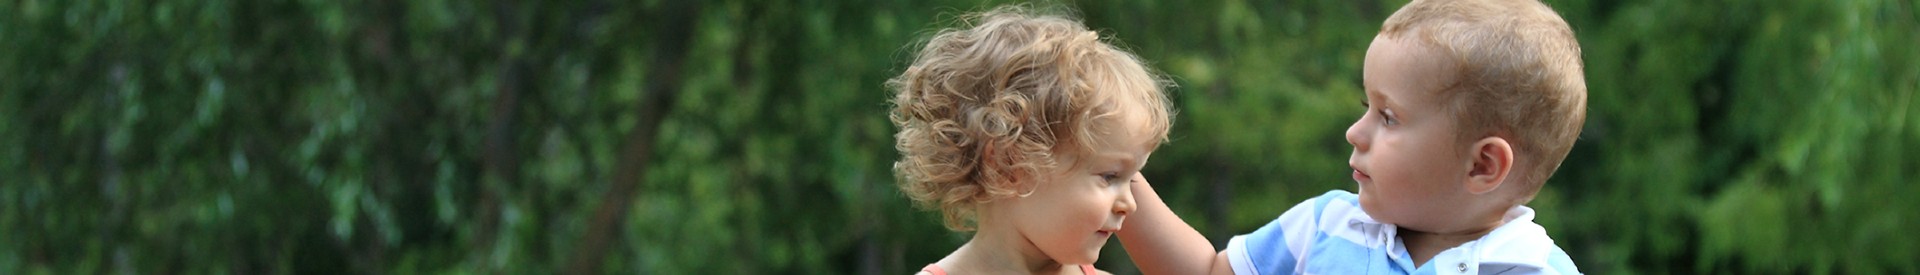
[{"x": 1387, "y": 117}]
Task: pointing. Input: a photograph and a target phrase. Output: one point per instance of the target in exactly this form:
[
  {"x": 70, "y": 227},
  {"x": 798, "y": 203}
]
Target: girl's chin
[{"x": 1092, "y": 254}]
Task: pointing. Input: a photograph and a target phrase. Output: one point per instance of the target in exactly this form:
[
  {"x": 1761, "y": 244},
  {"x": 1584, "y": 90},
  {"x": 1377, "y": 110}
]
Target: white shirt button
[{"x": 1463, "y": 267}]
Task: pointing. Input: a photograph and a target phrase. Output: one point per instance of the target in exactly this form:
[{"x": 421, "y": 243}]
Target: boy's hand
[{"x": 1160, "y": 243}]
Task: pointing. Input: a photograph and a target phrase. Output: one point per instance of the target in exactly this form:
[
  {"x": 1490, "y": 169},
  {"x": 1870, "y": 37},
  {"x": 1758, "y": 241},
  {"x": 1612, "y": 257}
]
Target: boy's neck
[
  {"x": 1424, "y": 245},
  {"x": 1000, "y": 251}
]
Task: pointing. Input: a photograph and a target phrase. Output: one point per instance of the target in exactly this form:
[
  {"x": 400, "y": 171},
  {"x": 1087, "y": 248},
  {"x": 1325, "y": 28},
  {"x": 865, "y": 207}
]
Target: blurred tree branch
[{"x": 676, "y": 24}]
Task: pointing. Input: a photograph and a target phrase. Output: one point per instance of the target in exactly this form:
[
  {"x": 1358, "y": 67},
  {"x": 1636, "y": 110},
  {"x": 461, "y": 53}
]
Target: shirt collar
[{"x": 1517, "y": 244}]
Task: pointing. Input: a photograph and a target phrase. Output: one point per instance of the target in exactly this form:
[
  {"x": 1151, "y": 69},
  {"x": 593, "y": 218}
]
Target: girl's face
[{"x": 1082, "y": 202}]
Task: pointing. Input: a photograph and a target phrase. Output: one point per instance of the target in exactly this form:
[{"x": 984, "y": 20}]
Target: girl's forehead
[
  {"x": 1126, "y": 137},
  {"x": 1109, "y": 157},
  {"x": 1128, "y": 120}
]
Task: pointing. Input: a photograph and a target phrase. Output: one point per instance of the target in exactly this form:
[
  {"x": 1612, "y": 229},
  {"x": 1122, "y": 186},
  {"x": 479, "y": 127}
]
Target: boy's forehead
[{"x": 1402, "y": 69}]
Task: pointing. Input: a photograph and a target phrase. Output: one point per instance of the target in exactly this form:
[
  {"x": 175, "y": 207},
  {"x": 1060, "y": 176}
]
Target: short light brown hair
[
  {"x": 985, "y": 108},
  {"x": 1520, "y": 75}
]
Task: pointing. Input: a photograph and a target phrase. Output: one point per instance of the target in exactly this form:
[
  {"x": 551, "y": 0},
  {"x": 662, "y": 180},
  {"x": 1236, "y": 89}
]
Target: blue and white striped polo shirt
[{"x": 1331, "y": 235}]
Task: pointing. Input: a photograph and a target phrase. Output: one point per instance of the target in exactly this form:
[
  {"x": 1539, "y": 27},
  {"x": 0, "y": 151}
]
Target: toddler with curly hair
[{"x": 1026, "y": 129}]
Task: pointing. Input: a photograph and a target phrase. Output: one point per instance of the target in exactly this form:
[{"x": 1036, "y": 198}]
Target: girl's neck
[{"x": 999, "y": 251}]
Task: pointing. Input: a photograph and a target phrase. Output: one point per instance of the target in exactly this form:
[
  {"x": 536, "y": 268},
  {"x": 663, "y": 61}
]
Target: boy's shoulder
[
  {"x": 1280, "y": 246},
  {"x": 1331, "y": 207},
  {"x": 1524, "y": 245},
  {"x": 1317, "y": 208},
  {"x": 1338, "y": 194},
  {"x": 1335, "y": 232},
  {"x": 1318, "y": 215}
]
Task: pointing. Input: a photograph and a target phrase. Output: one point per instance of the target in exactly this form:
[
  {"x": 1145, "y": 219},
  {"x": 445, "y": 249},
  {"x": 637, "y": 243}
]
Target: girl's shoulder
[
  {"x": 1089, "y": 270},
  {"x": 932, "y": 269}
]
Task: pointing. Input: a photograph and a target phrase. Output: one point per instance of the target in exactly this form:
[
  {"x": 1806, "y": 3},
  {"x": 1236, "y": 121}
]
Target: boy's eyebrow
[
  {"x": 1370, "y": 92},
  {"x": 1385, "y": 100},
  {"x": 1367, "y": 92}
]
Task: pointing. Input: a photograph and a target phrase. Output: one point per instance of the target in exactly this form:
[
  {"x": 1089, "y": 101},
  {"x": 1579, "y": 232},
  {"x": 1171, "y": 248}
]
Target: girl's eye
[{"x": 1111, "y": 178}]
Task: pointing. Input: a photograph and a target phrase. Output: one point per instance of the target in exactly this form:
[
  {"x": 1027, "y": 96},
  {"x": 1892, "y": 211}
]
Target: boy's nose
[{"x": 1356, "y": 134}]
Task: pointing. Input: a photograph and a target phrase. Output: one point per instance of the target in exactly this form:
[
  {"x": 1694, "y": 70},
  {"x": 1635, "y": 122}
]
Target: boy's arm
[{"x": 1160, "y": 243}]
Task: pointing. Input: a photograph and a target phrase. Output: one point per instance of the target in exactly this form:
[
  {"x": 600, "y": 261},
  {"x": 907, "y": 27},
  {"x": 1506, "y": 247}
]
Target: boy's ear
[{"x": 1492, "y": 161}]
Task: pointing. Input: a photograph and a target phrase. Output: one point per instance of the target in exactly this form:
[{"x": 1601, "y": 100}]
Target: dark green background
[{"x": 701, "y": 137}]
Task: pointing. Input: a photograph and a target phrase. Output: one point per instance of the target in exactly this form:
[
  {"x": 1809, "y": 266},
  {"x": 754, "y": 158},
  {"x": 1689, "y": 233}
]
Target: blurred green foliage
[{"x": 727, "y": 136}]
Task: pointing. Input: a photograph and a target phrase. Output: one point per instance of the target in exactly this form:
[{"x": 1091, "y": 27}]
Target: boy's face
[
  {"x": 1082, "y": 202},
  {"x": 1406, "y": 156}
]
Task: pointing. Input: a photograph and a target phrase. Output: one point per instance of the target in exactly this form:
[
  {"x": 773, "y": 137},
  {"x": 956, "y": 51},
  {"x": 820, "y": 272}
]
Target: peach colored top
[{"x": 936, "y": 270}]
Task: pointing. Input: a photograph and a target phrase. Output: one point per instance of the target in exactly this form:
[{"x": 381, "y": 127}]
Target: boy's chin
[{"x": 1370, "y": 207}]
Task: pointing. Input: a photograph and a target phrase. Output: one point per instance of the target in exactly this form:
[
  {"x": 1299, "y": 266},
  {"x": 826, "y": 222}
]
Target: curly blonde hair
[{"x": 985, "y": 108}]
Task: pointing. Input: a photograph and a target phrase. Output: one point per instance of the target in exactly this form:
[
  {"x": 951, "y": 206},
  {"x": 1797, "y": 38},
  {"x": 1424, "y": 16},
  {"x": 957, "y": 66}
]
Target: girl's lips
[{"x": 1360, "y": 176}]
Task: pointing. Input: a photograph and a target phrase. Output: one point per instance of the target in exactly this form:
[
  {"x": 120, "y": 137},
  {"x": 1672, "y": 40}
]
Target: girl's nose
[{"x": 1125, "y": 204}]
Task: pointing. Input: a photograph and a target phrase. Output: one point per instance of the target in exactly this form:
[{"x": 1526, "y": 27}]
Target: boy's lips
[{"x": 1359, "y": 175}]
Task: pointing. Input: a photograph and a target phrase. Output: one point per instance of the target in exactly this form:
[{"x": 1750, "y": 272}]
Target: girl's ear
[
  {"x": 1492, "y": 161},
  {"x": 1024, "y": 182}
]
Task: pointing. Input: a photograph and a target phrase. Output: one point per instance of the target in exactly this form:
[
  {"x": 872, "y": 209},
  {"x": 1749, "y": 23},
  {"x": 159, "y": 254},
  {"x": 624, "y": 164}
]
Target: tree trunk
[
  {"x": 501, "y": 157},
  {"x": 663, "y": 78}
]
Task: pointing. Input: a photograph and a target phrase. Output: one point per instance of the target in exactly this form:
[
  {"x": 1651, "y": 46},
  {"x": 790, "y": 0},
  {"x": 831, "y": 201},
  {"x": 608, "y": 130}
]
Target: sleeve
[{"x": 1277, "y": 247}]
